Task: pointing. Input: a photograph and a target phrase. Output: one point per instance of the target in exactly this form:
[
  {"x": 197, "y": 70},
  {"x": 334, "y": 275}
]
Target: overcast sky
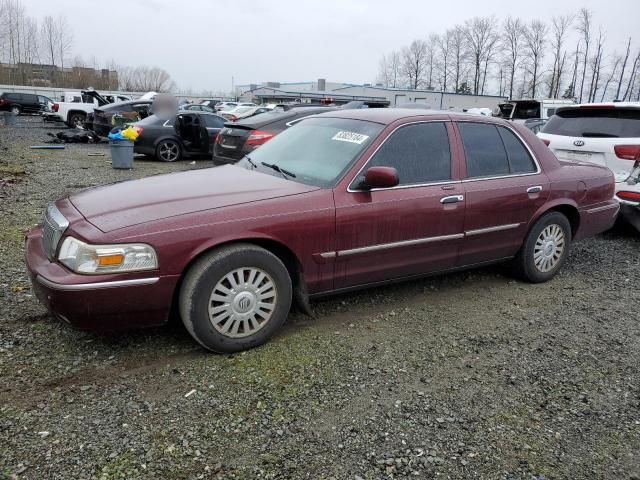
[{"x": 203, "y": 43}]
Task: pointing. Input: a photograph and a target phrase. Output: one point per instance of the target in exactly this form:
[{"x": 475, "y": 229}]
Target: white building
[{"x": 344, "y": 92}]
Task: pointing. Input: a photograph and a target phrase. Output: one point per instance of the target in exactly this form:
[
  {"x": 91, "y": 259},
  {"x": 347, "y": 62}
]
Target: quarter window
[
  {"x": 519, "y": 159},
  {"x": 420, "y": 153}
]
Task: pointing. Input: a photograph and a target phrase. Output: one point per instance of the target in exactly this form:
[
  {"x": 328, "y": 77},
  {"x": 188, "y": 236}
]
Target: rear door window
[
  {"x": 595, "y": 122},
  {"x": 484, "y": 150},
  {"x": 420, "y": 153}
]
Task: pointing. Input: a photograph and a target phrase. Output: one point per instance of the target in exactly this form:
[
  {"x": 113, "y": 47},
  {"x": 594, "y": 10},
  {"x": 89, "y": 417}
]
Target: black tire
[
  {"x": 205, "y": 276},
  {"x": 536, "y": 250},
  {"x": 168, "y": 151},
  {"x": 16, "y": 110},
  {"x": 76, "y": 120}
]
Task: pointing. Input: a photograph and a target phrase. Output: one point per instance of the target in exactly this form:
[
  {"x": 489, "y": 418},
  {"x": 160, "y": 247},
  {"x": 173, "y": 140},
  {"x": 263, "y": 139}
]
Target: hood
[{"x": 134, "y": 202}]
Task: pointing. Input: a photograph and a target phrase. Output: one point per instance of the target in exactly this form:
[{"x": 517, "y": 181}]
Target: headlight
[{"x": 96, "y": 259}]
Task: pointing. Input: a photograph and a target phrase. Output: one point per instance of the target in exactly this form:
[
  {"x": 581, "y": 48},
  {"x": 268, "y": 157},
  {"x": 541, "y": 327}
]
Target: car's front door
[
  {"x": 413, "y": 228},
  {"x": 503, "y": 188}
]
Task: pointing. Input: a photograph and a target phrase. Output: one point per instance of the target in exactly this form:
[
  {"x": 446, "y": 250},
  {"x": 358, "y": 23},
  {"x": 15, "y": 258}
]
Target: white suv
[{"x": 607, "y": 134}]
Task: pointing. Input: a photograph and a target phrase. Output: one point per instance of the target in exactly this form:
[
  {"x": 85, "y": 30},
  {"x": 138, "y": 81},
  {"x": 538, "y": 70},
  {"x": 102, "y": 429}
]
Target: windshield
[
  {"x": 317, "y": 150},
  {"x": 595, "y": 122}
]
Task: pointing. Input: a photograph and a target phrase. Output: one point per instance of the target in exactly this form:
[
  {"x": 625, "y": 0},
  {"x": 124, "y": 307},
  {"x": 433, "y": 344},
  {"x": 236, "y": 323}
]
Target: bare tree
[
  {"x": 596, "y": 63},
  {"x": 458, "y": 55},
  {"x": 632, "y": 77},
  {"x": 480, "y": 35},
  {"x": 443, "y": 53},
  {"x": 389, "y": 70},
  {"x": 560, "y": 27},
  {"x": 614, "y": 71},
  {"x": 49, "y": 38},
  {"x": 145, "y": 79},
  {"x": 65, "y": 42},
  {"x": 535, "y": 41},
  {"x": 414, "y": 63},
  {"x": 584, "y": 28},
  {"x": 624, "y": 66},
  {"x": 512, "y": 44}
]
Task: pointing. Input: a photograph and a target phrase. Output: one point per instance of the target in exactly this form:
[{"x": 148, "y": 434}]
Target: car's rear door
[
  {"x": 213, "y": 125},
  {"x": 503, "y": 186},
  {"x": 411, "y": 229}
]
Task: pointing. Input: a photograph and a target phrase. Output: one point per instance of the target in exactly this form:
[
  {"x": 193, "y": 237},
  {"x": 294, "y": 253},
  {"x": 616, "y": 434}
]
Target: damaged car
[
  {"x": 185, "y": 135},
  {"x": 343, "y": 200}
]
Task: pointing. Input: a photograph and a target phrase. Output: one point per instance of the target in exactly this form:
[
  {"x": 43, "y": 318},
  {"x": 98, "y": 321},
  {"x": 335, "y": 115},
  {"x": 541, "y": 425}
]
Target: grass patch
[{"x": 10, "y": 169}]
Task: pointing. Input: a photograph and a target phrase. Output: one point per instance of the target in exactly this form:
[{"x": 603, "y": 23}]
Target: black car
[
  {"x": 186, "y": 134},
  {"x": 24, "y": 103},
  {"x": 239, "y": 138},
  {"x": 102, "y": 121}
]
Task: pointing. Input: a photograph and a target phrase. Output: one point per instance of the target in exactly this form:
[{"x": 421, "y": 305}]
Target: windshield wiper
[
  {"x": 275, "y": 167},
  {"x": 248, "y": 158}
]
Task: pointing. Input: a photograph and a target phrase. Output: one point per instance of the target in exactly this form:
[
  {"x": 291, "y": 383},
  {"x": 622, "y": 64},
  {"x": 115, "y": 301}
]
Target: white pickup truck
[{"x": 75, "y": 106}]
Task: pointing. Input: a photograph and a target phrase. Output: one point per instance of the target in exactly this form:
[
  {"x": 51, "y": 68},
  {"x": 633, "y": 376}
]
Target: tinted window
[
  {"x": 519, "y": 159},
  {"x": 484, "y": 150},
  {"x": 595, "y": 122},
  {"x": 213, "y": 121},
  {"x": 420, "y": 153}
]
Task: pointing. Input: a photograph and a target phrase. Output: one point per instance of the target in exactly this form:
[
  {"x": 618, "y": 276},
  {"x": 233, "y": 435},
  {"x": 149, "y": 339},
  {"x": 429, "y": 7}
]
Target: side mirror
[{"x": 380, "y": 177}]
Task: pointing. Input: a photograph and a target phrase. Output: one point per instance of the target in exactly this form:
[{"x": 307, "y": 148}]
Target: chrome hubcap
[
  {"x": 169, "y": 151},
  {"x": 549, "y": 248},
  {"x": 242, "y": 302}
]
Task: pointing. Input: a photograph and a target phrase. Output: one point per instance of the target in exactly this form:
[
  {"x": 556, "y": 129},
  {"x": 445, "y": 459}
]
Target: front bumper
[{"x": 98, "y": 302}]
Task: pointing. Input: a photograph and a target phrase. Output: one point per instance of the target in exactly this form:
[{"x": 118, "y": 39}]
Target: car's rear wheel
[
  {"x": 235, "y": 298},
  {"x": 168, "y": 151},
  {"x": 545, "y": 249},
  {"x": 76, "y": 120},
  {"x": 15, "y": 109}
]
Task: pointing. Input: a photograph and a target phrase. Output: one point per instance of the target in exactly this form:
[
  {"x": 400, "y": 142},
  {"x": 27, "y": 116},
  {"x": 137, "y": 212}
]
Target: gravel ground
[{"x": 472, "y": 375}]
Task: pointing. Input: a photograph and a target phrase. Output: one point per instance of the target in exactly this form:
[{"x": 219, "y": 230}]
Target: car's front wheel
[
  {"x": 15, "y": 110},
  {"x": 76, "y": 120},
  {"x": 545, "y": 249},
  {"x": 235, "y": 298},
  {"x": 168, "y": 151}
]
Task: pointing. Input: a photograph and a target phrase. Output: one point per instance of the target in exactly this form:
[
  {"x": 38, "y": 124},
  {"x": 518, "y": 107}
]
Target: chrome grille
[{"x": 53, "y": 226}]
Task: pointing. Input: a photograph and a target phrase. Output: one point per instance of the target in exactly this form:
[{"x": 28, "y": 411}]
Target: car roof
[{"x": 387, "y": 116}]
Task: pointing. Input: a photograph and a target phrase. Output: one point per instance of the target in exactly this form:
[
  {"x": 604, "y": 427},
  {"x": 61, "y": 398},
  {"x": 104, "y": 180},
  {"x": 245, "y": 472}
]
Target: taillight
[
  {"x": 627, "y": 152},
  {"x": 3, "y": 101},
  {"x": 55, "y": 107},
  {"x": 630, "y": 196},
  {"x": 138, "y": 129},
  {"x": 258, "y": 137},
  {"x": 546, "y": 141}
]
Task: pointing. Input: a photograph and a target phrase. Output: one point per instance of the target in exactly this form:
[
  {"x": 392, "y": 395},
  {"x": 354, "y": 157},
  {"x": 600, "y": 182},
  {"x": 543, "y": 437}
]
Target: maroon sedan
[{"x": 343, "y": 200}]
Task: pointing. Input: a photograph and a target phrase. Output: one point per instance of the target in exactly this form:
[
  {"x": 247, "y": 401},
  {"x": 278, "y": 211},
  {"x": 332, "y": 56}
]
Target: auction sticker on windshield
[{"x": 351, "y": 137}]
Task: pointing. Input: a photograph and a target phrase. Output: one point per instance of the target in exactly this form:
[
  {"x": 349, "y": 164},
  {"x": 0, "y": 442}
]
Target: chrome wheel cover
[
  {"x": 549, "y": 248},
  {"x": 242, "y": 302},
  {"x": 168, "y": 151}
]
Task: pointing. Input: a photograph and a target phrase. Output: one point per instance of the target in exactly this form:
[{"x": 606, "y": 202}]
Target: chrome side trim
[
  {"x": 603, "y": 208},
  {"x": 328, "y": 255},
  {"x": 498, "y": 228},
  {"x": 404, "y": 243},
  {"x": 97, "y": 285}
]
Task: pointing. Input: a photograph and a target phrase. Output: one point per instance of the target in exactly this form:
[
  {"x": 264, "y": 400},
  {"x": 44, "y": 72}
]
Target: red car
[{"x": 343, "y": 200}]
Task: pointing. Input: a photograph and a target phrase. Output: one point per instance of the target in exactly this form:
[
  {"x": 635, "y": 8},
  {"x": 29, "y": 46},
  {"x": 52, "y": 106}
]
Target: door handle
[
  {"x": 452, "y": 199},
  {"x": 535, "y": 189}
]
